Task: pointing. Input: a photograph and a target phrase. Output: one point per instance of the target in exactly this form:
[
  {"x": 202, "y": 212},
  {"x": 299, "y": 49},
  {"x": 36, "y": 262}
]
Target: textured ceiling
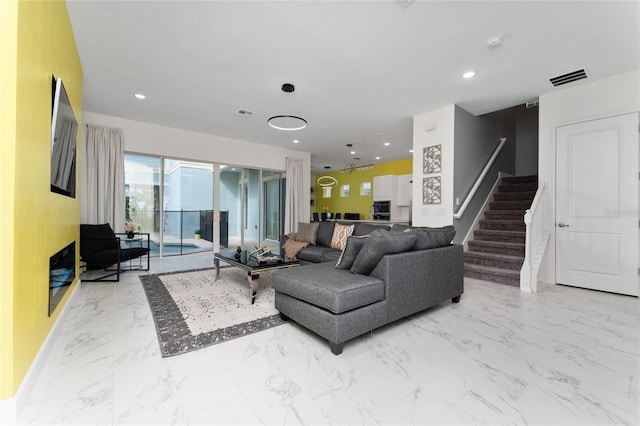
[{"x": 362, "y": 69}]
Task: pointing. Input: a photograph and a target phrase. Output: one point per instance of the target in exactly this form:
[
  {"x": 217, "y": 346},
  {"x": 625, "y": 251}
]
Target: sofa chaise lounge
[{"x": 341, "y": 304}]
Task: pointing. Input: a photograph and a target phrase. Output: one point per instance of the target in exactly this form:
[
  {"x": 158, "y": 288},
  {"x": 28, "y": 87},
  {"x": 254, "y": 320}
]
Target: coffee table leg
[
  {"x": 253, "y": 284},
  {"x": 216, "y": 263}
]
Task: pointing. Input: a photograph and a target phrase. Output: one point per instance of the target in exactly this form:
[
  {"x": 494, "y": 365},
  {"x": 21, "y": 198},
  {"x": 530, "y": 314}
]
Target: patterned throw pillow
[
  {"x": 340, "y": 235},
  {"x": 307, "y": 232}
]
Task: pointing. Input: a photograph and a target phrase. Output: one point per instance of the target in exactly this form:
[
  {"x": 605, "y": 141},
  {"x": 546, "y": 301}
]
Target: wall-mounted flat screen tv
[{"x": 64, "y": 131}]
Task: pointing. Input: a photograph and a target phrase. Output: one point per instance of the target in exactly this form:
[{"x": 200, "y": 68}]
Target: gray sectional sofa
[
  {"x": 321, "y": 251},
  {"x": 341, "y": 304}
]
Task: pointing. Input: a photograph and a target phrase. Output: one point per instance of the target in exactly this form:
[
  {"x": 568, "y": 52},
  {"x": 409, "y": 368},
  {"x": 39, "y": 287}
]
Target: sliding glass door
[
  {"x": 172, "y": 199},
  {"x": 240, "y": 205},
  {"x": 273, "y": 195},
  {"x": 142, "y": 195},
  {"x": 187, "y": 207}
]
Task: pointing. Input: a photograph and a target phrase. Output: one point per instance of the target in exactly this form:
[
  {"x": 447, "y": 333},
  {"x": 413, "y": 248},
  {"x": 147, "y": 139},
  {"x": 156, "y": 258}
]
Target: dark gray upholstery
[
  {"x": 321, "y": 251},
  {"x": 325, "y": 233},
  {"x": 377, "y": 244},
  {"x": 432, "y": 237},
  {"x": 413, "y": 281},
  {"x": 329, "y": 288},
  {"x": 363, "y": 228},
  {"x": 354, "y": 244},
  {"x": 397, "y": 227}
]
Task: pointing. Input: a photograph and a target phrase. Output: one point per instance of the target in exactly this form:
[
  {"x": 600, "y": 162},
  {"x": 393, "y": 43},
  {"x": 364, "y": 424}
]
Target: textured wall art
[
  {"x": 431, "y": 190},
  {"x": 432, "y": 159}
]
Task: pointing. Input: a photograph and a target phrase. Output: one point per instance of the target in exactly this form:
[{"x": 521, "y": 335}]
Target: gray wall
[
  {"x": 475, "y": 140},
  {"x": 526, "y": 141}
]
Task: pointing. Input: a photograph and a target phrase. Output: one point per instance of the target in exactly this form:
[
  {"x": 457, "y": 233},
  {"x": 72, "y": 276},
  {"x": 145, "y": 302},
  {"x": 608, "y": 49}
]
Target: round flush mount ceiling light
[
  {"x": 387, "y": 143},
  {"x": 287, "y": 122},
  {"x": 140, "y": 96},
  {"x": 296, "y": 141},
  {"x": 469, "y": 74}
]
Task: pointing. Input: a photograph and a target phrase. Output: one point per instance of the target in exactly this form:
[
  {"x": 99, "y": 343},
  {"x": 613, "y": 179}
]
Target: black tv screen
[{"x": 64, "y": 131}]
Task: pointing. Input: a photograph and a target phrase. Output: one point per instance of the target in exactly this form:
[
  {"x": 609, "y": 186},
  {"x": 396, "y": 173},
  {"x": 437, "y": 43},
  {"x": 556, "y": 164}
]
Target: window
[
  {"x": 344, "y": 191},
  {"x": 365, "y": 188},
  {"x": 326, "y": 192}
]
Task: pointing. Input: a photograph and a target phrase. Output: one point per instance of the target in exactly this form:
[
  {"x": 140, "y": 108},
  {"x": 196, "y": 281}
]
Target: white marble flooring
[{"x": 562, "y": 356}]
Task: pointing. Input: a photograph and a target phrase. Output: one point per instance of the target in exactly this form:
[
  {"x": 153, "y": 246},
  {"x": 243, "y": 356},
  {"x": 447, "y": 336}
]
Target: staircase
[{"x": 496, "y": 253}]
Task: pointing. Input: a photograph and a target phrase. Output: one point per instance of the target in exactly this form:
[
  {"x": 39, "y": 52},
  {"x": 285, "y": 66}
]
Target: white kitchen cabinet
[
  {"x": 403, "y": 191},
  {"x": 384, "y": 187}
]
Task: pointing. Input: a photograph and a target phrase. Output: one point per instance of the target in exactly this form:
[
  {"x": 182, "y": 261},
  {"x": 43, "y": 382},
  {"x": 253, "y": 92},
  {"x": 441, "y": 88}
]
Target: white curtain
[
  {"x": 103, "y": 189},
  {"x": 294, "y": 200}
]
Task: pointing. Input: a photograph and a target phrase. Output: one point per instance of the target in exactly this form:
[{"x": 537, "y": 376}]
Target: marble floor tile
[{"x": 560, "y": 356}]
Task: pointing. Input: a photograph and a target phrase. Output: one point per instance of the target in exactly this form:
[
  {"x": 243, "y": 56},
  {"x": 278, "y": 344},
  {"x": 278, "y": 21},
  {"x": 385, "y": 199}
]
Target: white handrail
[
  {"x": 476, "y": 185},
  {"x": 534, "y": 204}
]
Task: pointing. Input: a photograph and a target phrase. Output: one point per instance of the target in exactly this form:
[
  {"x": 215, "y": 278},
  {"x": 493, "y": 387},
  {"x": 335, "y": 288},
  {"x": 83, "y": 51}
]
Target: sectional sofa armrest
[{"x": 420, "y": 279}]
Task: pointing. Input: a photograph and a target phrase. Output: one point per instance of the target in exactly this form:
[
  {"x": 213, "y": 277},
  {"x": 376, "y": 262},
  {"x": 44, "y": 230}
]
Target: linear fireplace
[{"x": 62, "y": 272}]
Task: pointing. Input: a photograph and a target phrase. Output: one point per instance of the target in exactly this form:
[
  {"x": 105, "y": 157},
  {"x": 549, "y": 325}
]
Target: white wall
[
  {"x": 433, "y": 128},
  {"x": 602, "y": 98},
  {"x": 146, "y": 138}
]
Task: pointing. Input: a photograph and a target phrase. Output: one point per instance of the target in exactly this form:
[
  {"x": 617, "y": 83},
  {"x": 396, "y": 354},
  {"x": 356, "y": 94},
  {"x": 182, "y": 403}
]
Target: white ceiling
[{"x": 362, "y": 69}]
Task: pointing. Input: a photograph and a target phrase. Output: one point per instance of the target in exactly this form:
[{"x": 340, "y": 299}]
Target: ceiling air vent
[
  {"x": 405, "y": 3},
  {"x": 245, "y": 112},
  {"x": 568, "y": 78}
]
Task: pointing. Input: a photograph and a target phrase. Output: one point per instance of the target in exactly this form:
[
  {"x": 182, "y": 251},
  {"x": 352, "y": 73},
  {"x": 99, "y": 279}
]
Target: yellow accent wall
[
  {"x": 356, "y": 203},
  {"x": 37, "y": 42}
]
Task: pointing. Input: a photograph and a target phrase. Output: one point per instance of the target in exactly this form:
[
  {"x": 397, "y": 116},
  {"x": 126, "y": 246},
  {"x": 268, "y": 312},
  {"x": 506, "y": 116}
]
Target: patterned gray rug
[{"x": 192, "y": 311}]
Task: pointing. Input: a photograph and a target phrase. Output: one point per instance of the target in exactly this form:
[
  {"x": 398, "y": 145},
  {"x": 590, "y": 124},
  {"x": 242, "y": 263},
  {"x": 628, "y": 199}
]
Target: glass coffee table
[{"x": 249, "y": 262}]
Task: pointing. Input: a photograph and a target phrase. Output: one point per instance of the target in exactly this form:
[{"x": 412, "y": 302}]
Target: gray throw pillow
[
  {"x": 427, "y": 238},
  {"x": 325, "y": 233},
  {"x": 364, "y": 228},
  {"x": 354, "y": 244},
  {"x": 397, "y": 227},
  {"x": 307, "y": 232},
  {"x": 377, "y": 245}
]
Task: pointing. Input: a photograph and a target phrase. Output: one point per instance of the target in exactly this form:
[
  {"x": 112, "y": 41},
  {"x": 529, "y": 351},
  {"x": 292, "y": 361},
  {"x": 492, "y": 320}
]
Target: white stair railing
[
  {"x": 476, "y": 185},
  {"x": 537, "y": 237}
]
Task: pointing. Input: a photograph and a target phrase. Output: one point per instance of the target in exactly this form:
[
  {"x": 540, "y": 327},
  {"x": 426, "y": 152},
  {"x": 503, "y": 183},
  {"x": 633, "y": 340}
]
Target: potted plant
[
  {"x": 130, "y": 228},
  {"x": 198, "y": 234}
]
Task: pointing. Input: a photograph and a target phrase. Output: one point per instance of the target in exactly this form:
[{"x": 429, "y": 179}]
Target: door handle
[{"x": 562, "y": 225}]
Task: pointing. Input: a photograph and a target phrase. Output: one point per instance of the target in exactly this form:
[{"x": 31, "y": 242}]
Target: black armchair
[{"x": 101, "y": 248}]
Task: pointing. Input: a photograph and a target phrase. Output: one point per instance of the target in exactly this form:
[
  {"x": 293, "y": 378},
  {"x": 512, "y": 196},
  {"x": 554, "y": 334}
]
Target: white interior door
[{"x": 597, "y": 204}]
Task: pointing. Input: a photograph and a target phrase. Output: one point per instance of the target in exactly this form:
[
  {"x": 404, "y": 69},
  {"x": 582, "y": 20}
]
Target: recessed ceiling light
[
  {"x": 327, "y": 167},
  {"x": 494, "y": 42},
  {"x": 377, "y": 158},
  {"x": 411, "y": 151},
  {"x": 353, "y": 152},
  {"x": 469, "y": 74},
  {"x": 140, "y": 96},
  {"x": 387, "y": 143},
  {"x": 287, "y": 122},
  {"x": 296, "y": 141}
]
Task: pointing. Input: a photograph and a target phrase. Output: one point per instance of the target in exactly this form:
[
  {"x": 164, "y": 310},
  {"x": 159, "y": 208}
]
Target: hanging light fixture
[{"x": 287, "y": 122}]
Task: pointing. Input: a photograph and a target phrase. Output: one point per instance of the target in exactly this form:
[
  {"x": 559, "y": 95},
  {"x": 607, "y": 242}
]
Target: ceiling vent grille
[
  {"x": 405, "y": 3},
  {"x": 245, "y": 112},
  {"x": 568, "y": 78}
]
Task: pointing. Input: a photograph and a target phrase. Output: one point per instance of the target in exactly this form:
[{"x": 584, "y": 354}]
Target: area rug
[{"x": 191, "y": 310}]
